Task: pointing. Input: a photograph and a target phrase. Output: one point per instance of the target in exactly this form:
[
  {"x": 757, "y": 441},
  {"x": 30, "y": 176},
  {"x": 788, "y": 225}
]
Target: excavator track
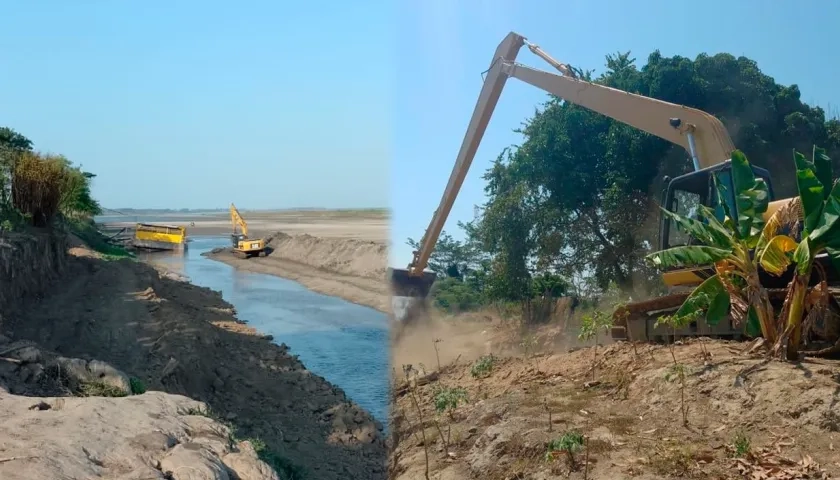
[{"x": 637, "y": 321}]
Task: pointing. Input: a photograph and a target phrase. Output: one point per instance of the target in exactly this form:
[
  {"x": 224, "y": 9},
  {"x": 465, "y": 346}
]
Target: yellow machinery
[
  {"x": 244, "y": 247},
  {"x": 702, "y": 135},
  {"x": 159, "y": 237}
]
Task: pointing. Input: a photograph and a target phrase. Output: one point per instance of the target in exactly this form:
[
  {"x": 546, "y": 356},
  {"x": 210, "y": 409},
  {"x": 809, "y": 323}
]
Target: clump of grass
[
  {"x": 483, "y": 367},
  {"x": 570, "y": 443},
  {"x": 86, "y": 230},
  {"x": 203, "y": 412},
  {"x": 741, "y": 444},
  {"x": 137, "y": 386},
  {"x": 97, "y": 389},
  {"x": 284, "y": 468}
]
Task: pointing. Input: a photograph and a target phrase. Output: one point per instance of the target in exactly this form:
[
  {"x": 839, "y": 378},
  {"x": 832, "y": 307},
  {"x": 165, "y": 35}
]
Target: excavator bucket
[
  {"x": 404, "y": 284},
  {"x": 409, "y": 299}
]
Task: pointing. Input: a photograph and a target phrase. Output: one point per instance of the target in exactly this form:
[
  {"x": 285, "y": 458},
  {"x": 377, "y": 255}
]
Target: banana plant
[
  {"x": 735, "y": 247},
  {"x": 819, "y": 197}
]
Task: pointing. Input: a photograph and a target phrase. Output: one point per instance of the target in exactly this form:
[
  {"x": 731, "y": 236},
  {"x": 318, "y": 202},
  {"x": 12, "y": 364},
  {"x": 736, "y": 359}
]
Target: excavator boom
[
  {"x": 700, "y": 133},
  {"x": 237, "y": 220}
]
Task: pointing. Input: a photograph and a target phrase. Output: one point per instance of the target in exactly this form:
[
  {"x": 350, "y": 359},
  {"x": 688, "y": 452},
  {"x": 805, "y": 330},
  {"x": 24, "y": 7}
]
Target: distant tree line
[{"x": 572, "y": 209}]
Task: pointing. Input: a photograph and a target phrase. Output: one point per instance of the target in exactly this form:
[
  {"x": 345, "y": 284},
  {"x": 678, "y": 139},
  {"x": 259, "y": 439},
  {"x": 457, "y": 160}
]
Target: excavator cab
[
  {"x": 237, "y": 238},
  {"x": 684, "y": 195}
]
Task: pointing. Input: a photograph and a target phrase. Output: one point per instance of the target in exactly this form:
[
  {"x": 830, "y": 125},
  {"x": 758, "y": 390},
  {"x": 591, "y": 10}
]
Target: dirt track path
[{"x": 183, "y": 339}]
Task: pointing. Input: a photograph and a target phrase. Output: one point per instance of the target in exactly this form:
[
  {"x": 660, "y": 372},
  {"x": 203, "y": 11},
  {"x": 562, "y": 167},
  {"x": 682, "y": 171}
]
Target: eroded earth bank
[
  {"x": 507, "y": 406},
  {"x": 80, "y": 333}
]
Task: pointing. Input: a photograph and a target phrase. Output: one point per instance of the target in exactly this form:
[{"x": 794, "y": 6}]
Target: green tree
[{"x": 450, "y": 258}]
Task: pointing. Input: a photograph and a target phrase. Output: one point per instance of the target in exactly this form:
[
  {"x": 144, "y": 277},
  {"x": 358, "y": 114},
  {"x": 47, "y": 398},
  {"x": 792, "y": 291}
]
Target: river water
[{"x": 343, "y": 342}]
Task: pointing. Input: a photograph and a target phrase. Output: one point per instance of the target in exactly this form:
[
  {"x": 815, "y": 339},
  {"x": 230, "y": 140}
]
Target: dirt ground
[
  {"x": 746, "y": 417},
  {"x": 186, "y": 340},
  {"x": 334, "y": 252}
]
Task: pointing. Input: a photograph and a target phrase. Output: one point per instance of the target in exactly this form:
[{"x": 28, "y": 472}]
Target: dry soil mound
[
  {"x": 746, "y": 417},
  {"x": 357, "y": 258}
]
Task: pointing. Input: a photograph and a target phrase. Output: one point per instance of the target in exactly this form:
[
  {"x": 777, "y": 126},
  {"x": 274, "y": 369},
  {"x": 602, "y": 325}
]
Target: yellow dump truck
[{"x": 160, "y": 237}]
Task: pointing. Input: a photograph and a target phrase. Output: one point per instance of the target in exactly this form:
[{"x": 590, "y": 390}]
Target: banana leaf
[
  {"x": 687, "y": 256},
  {"x": 751, "y": 196},
  {"x": 712, "y": 296},
  {"x": 774, "y": 257},
  {"x": 710, "y": 234}
]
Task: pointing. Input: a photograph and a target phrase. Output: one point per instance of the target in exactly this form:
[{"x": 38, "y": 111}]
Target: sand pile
[{"x": 359, "y": 258}]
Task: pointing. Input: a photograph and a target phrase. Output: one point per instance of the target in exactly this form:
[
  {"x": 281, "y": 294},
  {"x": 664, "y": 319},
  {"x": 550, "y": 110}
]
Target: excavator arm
[
  {"x": 701, "y": 134},
  {"x": 237, "y": 221}
]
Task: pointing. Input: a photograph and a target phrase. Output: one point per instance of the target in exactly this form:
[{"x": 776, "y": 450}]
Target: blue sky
[
  {"x": 286, "y": 104},
  {"x": 190, "y": 104},
  {"x": 445, "y": 45}
]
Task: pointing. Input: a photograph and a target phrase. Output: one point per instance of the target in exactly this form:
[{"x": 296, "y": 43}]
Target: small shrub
[
  {"x": 137, "y": 386},
  {"x": 447, "y": 399},
  {"x": 741, "y": 444},
  {"x": 483, "y": 367},
  {"x": 570, "y": 443}
]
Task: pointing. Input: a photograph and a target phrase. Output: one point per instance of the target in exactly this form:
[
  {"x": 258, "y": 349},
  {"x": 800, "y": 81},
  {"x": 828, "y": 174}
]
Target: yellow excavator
[
  {"x": 702, "y": 135},
  {"x": 244, "y": 247}
]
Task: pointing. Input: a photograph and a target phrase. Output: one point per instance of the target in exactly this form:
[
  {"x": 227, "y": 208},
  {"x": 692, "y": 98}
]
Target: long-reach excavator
[
  {"x": 702, "y": 135},
  {"x": 244, "y": 247}
]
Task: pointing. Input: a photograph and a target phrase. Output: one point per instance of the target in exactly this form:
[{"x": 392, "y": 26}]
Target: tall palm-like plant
[
  {"x": 819, "y": 197},
  {"x": 736, "y": 247}
]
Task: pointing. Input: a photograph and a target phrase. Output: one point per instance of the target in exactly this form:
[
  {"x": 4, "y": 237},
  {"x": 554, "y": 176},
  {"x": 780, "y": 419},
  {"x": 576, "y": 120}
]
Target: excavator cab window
[
  {"x": 686, "y": 192},
  {"x": 683, "y": 196}
]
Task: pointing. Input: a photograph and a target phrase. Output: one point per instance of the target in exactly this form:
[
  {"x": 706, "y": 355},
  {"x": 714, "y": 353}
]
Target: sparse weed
[
  {"x": 447, "y": 399},
  {"x": 678, "y": 370},
  {"x": 483, "y": 367},
  {"x": 570, "y": 443},
  {"x": 677, "y": 461},
  {"x": 591, "y": 325},
  {"x": 204, "y": 412},
  {"x": 285, "y": 469},
  {"x": 437, "y": 352},
  {"x": 528, "y": 344},
  {"x": 408, "y": 370},
  {"x": 741, "y": 444},
  {"x": 96, "y": 389}
]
